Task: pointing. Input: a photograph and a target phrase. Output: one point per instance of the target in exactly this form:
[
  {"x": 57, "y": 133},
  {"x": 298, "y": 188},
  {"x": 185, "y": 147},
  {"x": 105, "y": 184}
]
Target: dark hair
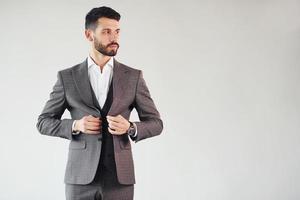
[{"x": 96, "y": 13}]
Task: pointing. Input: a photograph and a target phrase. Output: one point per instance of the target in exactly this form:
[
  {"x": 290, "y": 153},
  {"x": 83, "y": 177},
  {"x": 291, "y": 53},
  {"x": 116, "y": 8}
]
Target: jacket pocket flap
[{"x": 77, "y": 144}]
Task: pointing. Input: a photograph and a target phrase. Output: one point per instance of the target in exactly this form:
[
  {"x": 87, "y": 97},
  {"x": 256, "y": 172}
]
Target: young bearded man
[{"x": 100, "y": 94}]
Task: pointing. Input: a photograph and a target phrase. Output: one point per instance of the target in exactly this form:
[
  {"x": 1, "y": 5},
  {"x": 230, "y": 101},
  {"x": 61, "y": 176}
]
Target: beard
[{"x": 104, "y": 49}]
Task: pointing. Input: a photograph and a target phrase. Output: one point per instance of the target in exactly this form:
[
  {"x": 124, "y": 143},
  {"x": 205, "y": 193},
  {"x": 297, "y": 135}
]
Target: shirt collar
[{"x": 91, "y": 62}]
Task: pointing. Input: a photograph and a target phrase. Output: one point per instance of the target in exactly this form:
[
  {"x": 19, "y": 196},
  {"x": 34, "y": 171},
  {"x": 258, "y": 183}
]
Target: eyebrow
[{"x": 110, "y": 29}]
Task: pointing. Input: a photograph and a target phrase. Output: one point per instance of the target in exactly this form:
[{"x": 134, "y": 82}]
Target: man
[{"x": 100, "y": 94}]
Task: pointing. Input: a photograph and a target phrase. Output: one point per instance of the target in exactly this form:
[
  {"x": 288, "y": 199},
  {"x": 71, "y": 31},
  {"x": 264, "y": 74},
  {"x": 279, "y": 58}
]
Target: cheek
[
  {"x": 103, "y": 40},
  {"x": 98, "y": 37}
]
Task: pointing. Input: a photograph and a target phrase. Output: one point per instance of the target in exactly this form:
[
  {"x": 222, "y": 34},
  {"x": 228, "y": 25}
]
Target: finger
[
  {"x": 114, "y": 128},
  {"x": 93, "y": 128},
  {"x": 114, "y": 132},
  {"x": 115, "y": 125},
  {"x": 111, "y": 118},
  {"x": 93, "y": 119},
  {"x": 98, "y": 124},
  {"x": 120, "y": 117},
  {"x": 93, "y": 123}
]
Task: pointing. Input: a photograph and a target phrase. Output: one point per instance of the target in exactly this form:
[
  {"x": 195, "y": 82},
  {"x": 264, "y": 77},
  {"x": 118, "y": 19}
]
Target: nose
[{"x": 114, "y": 37}]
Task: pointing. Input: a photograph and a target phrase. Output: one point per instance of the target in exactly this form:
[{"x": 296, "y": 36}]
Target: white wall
[{"x": 224, "y": 75}]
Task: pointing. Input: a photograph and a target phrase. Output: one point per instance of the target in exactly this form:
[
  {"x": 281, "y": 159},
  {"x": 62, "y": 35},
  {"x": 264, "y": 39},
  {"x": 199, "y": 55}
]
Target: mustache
[{"x": 113, "y": 43}]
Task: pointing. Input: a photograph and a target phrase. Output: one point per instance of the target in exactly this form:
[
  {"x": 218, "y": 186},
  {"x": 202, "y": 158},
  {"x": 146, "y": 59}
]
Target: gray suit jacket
[{"x": 72, "y": 91}]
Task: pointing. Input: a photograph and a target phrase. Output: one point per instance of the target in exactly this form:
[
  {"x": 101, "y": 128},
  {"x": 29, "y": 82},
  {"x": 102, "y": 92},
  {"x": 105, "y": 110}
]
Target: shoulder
[
  {"x": 68, "y": 71},
  {"x": 130, "y": 69}
]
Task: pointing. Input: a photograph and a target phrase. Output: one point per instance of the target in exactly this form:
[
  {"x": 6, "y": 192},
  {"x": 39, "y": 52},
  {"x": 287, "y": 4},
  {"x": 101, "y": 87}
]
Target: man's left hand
[{"x": 118, "y": 125}]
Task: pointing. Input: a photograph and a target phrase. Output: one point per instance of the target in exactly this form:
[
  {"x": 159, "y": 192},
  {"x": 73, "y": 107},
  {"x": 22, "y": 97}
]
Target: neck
[{"x": 99, "y": 58}]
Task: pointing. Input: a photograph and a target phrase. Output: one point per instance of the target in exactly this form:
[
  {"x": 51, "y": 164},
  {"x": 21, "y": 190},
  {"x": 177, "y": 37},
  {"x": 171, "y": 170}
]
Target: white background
[{"x": 223, "y": 74}]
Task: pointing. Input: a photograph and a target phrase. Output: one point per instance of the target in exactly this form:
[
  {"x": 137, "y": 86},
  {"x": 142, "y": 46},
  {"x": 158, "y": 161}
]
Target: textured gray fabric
[
  {"x": 72, "y": 91},
  {"x": 105, "y": 187},
  {"x": 95, "y": 192}
]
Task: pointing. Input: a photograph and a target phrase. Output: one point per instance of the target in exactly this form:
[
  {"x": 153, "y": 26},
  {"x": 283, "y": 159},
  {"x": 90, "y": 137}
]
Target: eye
[{"x": 106, "y": 31}]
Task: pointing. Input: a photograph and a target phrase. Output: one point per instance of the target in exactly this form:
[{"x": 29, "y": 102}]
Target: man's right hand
[{"x": 89, "y": 125}]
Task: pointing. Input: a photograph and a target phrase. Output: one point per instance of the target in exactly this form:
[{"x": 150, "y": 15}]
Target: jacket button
[{"x": 100, "y": 139}]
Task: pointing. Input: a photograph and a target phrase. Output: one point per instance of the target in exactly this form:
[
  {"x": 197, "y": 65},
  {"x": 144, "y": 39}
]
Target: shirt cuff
[
  {"x": 73, "y": 127},
  {"x": 135, "y": 127}
]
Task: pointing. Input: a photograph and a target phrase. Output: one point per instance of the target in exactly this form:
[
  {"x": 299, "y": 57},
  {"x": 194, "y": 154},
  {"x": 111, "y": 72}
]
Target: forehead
[{"x": 106, "y": 23}]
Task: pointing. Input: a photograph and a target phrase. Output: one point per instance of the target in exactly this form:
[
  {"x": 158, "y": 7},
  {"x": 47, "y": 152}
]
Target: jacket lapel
[
  {"x": 82, "y": 83},
  {"x": 119, "y": 86}
]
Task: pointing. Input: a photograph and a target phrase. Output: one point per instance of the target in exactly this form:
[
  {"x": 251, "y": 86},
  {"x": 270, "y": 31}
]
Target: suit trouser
[{"x": 105, "y": 186}]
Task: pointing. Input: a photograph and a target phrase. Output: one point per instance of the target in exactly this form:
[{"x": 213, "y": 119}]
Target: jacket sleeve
[
  {"x": 150, "y": 123},
  {"x": 49, "y": 121}
]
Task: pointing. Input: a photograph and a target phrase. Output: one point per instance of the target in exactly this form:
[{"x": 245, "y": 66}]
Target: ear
[{"x": 89, "y": 35}]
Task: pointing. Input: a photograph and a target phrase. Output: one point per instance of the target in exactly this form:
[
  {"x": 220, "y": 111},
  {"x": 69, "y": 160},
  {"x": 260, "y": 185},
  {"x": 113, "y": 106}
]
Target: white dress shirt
[{"x": 100, "y": 82}]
